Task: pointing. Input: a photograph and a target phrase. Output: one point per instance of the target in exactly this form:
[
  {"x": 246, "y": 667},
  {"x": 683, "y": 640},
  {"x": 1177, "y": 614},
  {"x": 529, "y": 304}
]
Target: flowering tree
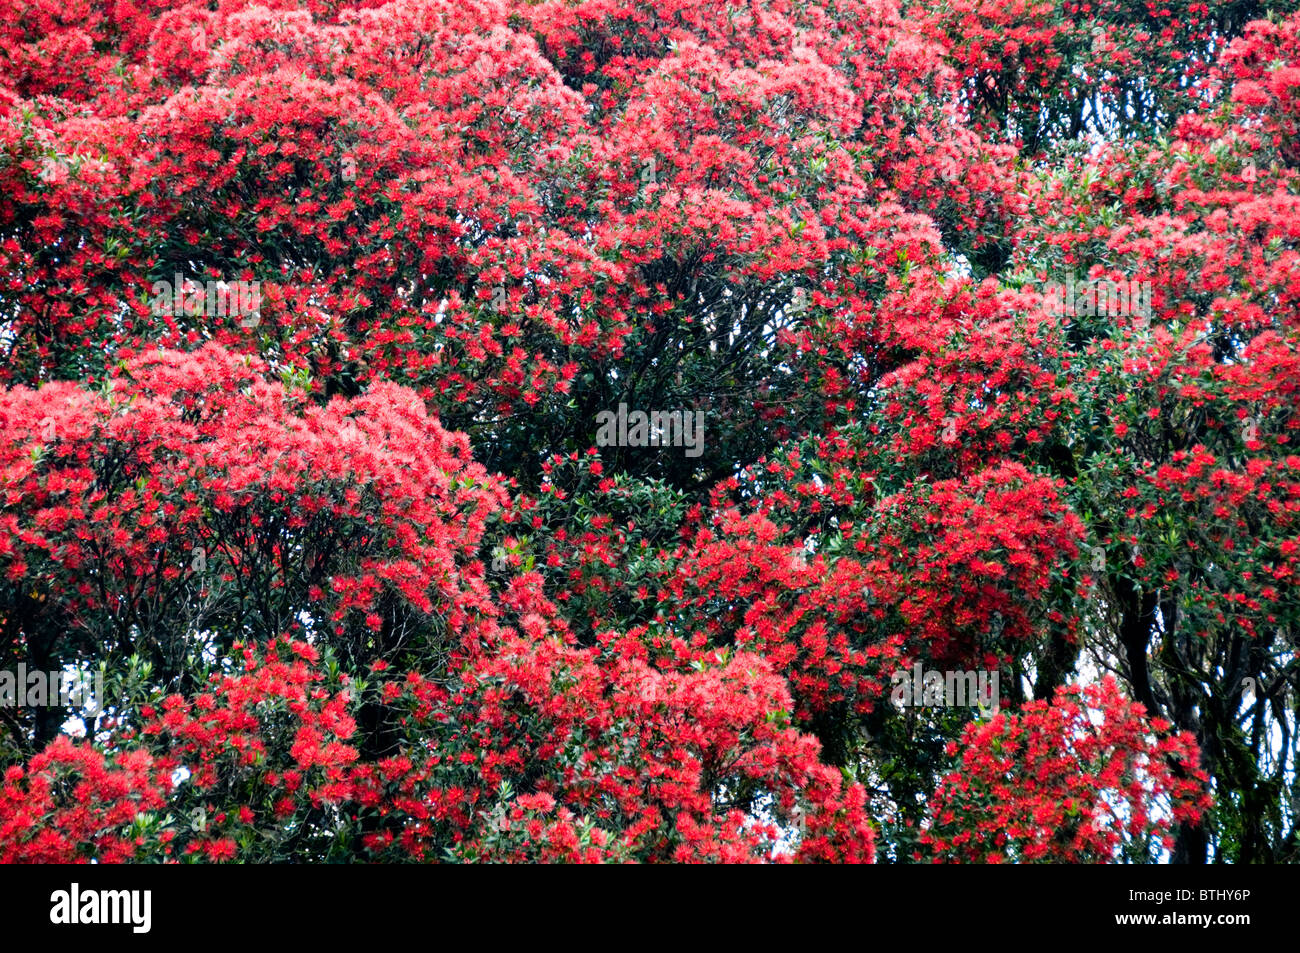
[{"x": 309, "y": 314}]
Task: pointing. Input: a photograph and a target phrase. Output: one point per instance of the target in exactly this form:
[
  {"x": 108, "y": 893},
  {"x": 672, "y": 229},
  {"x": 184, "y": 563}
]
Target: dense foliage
[{"x": 308, "y": 312}]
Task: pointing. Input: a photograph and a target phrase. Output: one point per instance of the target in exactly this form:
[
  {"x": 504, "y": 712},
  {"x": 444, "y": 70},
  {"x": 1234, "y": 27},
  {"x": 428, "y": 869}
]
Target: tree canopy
[{"x": 989, "y": 313}]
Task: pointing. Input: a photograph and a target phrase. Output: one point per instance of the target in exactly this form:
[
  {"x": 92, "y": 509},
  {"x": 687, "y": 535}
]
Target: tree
[{"x": 987, "y": 312}]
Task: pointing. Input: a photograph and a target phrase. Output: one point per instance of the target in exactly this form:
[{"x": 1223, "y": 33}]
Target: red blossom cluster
[
  {"x": 71, "y": 804},
  {"x": 1084, "y": 778}
]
